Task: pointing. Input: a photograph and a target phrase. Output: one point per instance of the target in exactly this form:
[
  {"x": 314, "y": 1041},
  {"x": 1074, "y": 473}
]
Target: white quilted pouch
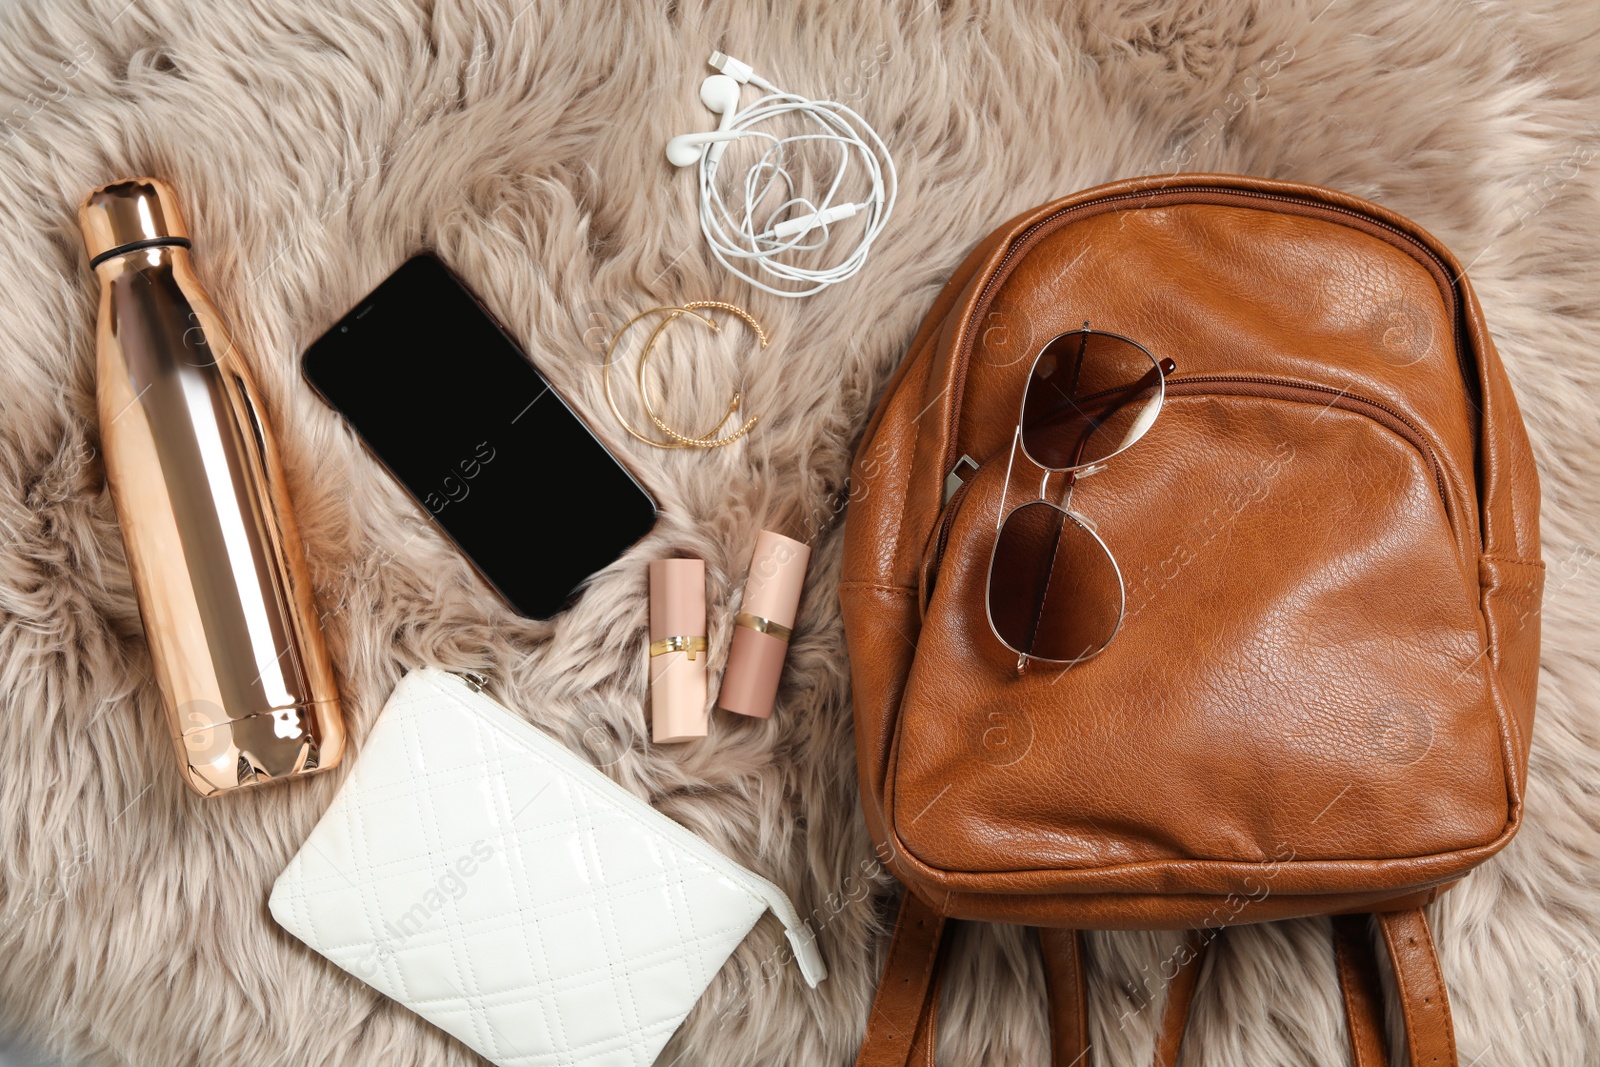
[{"x": 506, "y": 890}]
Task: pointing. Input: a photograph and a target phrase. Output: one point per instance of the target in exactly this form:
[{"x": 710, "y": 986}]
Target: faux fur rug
[{"x": 318, "y": 145}]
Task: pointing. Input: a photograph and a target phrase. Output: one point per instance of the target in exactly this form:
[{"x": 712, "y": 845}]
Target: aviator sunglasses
[{"x": 1055, "y": 592}]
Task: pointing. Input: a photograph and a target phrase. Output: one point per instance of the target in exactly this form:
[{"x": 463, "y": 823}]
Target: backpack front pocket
[{"x": 1298, "y": 624}]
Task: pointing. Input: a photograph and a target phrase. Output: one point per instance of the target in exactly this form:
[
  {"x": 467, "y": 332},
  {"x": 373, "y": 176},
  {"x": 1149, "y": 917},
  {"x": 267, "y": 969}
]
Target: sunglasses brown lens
[
  {"x": 1054, "y": 590},
  {"x": 1090, "y": 396}
]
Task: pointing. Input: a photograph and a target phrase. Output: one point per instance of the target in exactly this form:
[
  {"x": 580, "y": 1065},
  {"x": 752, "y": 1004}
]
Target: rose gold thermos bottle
[{"x": 215, "y": 557}]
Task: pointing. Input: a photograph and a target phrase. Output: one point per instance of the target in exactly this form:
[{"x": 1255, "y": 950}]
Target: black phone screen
[{"x": 460, "y": 416}]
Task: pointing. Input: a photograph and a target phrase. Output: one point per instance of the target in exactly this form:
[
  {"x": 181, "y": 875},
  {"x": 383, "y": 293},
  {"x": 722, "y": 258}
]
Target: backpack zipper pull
[{"x": 957, "y": 477}]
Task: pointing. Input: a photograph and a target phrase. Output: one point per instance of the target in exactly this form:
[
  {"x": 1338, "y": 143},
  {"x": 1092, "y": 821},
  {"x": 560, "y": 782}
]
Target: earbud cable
[{"x": 739, "y": 240}]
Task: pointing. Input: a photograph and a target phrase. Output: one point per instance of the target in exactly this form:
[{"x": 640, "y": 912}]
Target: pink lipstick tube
[
  {"x": 677, "y": 650},
  {"x": 761, "y": 632}
]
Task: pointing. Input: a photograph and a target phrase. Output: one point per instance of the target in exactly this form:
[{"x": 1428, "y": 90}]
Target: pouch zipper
[
  {"x": 801, "y": 937},
  {"x": 1196, "y": 194},
  {"x": 1260, "y": 385}
]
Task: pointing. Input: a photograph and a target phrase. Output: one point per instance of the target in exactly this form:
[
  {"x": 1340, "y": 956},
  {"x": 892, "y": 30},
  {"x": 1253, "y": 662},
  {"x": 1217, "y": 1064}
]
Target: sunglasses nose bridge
[{"x": 1068, "y": 479}]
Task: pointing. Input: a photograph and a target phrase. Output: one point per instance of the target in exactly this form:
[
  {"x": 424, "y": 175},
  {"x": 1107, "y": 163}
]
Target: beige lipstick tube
[
  {"x": 762, "y": 630},
  {"x": 677, "y": 650}
]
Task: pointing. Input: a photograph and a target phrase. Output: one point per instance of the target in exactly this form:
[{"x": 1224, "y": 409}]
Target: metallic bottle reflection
[{"x": 211, "y": 541}]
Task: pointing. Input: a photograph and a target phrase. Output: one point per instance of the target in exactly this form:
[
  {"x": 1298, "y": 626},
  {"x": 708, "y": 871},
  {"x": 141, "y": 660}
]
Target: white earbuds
[
  {"x": 720, "y": 94},
  {"x": 686, "y": 149},
  {"x": 790, "y": 214}
]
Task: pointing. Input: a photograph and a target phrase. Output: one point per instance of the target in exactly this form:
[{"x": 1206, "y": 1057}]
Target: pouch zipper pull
[{"x": 801, "y": 937}]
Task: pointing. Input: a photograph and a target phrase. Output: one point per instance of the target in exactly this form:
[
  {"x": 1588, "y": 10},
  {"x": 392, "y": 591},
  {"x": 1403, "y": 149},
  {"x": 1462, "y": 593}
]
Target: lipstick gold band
[
  {"x": 690, "y": 645},
  {"x": 763, "y": 626}
]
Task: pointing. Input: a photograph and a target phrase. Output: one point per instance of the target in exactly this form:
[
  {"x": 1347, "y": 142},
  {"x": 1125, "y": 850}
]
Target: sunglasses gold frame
[{"x": 1160, "y": 370}]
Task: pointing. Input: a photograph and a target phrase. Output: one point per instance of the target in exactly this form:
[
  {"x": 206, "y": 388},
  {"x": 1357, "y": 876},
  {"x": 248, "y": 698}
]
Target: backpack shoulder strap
[
  {"x": 903, "y": 1025},
  {"x": 1180, "y": 997},
  {"x": 1066, "y": 995},
  {"x": 901, "y": 1028},
  {"x": 1430, "y": 1032},
  {"x": 1357, "y": 963}
]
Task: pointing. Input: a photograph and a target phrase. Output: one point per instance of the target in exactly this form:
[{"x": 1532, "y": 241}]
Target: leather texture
[
  {"x": 511, "y": 894},
  {"x": 1322, "y": 694}
]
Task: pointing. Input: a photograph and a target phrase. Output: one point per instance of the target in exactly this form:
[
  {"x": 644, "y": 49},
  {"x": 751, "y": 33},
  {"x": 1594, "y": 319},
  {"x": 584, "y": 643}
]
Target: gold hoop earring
[
  {"x": 709, "y": 438},
  {"x": 605, "y": 367}
]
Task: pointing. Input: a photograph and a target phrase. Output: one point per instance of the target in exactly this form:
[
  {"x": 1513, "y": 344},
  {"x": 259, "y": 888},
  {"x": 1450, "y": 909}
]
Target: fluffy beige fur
[{"x": 318, "y": 145}]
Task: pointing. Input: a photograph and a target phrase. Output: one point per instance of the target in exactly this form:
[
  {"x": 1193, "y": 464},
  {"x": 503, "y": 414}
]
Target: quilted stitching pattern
[{"x": 507, "y": 900}]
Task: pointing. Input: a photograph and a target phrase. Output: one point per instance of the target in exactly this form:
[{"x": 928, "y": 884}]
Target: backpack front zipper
[{"x": 1259, "y": 385}]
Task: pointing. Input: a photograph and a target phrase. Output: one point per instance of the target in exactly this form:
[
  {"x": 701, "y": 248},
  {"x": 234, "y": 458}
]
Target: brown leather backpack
[{"x": 1321, "y": 695}]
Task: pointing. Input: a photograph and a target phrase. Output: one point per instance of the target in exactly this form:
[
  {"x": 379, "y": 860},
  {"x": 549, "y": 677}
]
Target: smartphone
[{"x": 456, "y": 411}]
